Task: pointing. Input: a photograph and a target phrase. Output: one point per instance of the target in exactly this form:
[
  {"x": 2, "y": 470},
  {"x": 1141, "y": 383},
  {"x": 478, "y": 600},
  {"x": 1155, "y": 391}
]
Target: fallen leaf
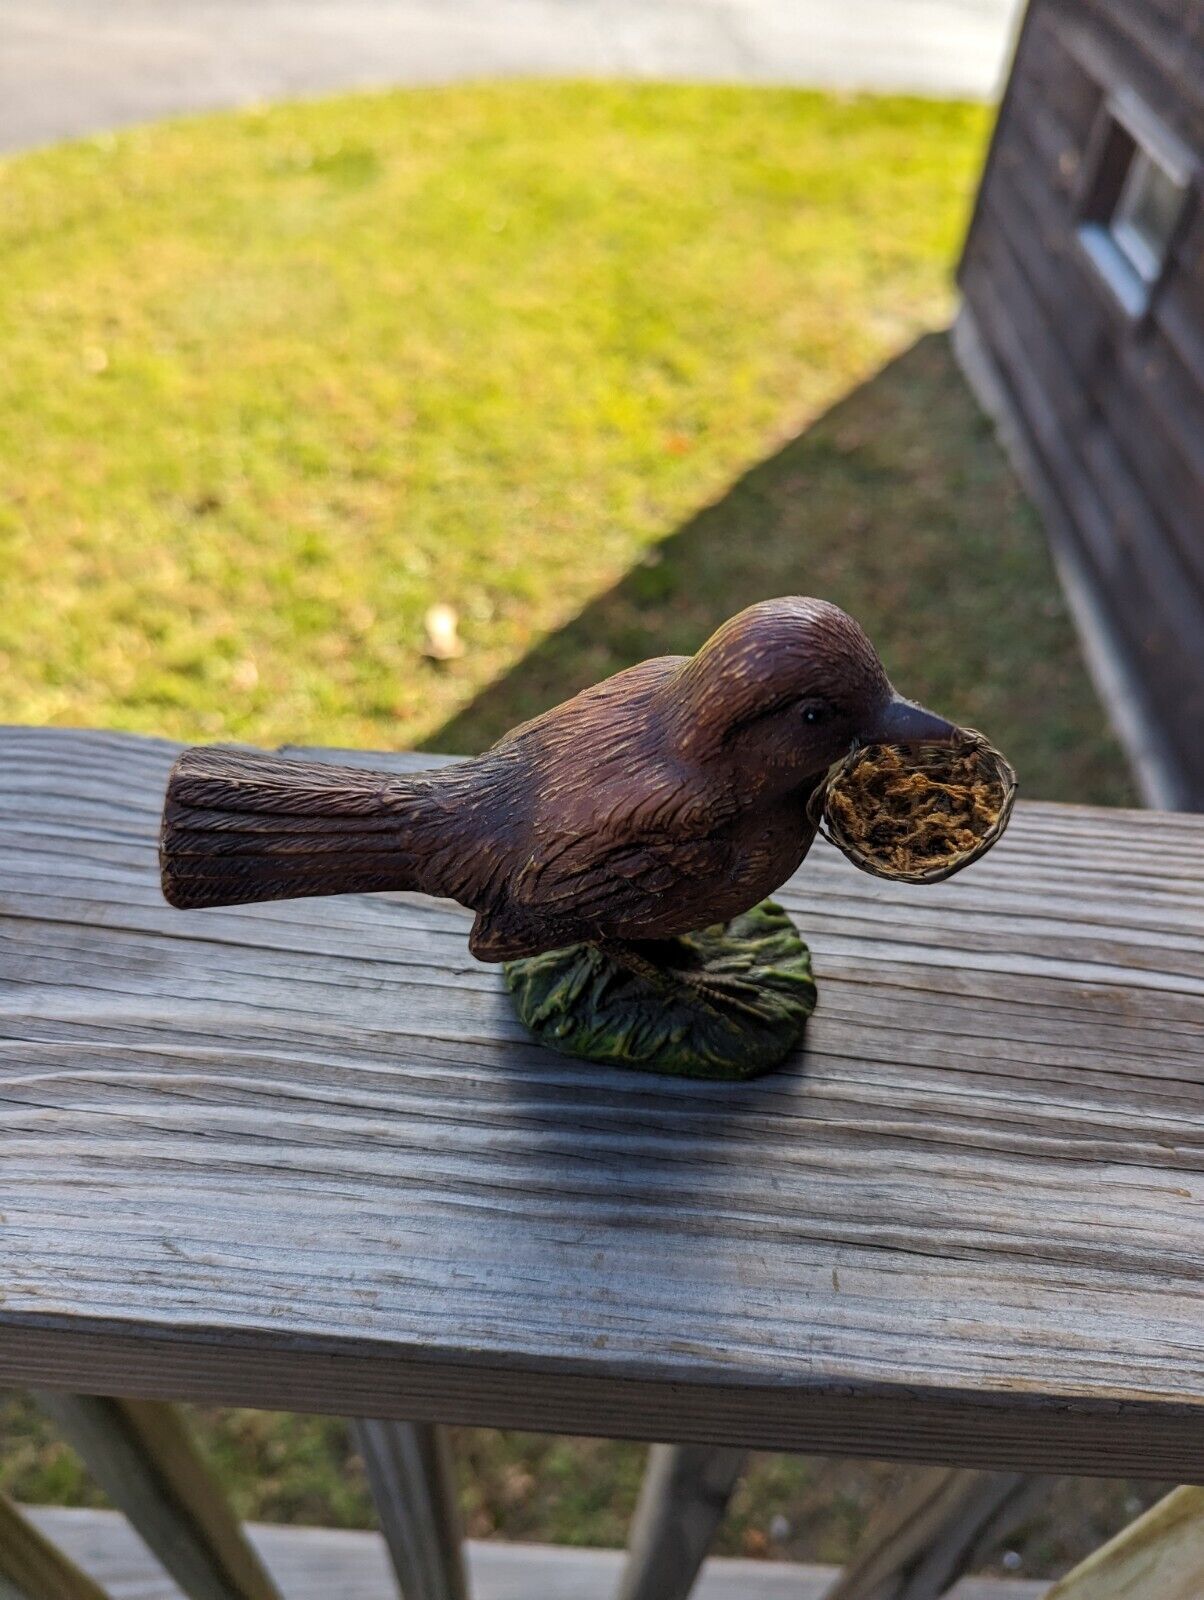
[{"x": 443, "y": 642}]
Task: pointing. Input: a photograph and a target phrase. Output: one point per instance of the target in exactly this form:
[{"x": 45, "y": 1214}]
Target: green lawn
[
  {"x": 275, "y": 383},
  {"x": 595, "y": 366}
]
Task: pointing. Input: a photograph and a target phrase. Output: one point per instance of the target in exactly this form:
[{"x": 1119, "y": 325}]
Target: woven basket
[{"x": 933, "y": 759}]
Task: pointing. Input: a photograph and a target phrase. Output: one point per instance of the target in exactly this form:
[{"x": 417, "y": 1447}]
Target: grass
[
  {"x": 277, "y": 382},
  {"x": 595, "y": 366},
  {"x": 898, "y": 504}
]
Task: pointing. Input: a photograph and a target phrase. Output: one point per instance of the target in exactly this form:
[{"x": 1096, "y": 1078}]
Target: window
[
  {"x": 1137, "y": 190},
  {"x": 1147, "y": 214}
]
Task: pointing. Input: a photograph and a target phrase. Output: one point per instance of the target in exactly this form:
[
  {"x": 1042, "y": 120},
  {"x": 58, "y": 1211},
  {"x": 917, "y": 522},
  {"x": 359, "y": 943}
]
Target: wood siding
[{"x": 1110, "y": 407}]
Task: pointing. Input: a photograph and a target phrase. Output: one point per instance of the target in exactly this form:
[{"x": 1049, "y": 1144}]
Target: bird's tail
[{"x": 241, "y": 825}]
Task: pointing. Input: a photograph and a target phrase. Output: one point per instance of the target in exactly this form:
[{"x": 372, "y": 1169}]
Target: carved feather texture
[
  {"x": 664, "y": 799},
  {"x": 242, "y": 825}
]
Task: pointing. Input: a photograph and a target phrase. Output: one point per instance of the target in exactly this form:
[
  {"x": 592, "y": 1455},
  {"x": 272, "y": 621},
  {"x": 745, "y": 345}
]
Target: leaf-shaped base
[{"x": 745, "y": 1016}]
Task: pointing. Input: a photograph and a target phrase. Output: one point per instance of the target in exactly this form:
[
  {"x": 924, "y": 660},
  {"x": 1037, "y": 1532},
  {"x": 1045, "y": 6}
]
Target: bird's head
[{"x": 785, "y": 688}]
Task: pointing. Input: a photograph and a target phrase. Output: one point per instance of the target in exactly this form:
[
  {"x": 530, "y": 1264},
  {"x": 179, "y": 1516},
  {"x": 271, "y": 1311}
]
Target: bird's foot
[
  {"x": 671, "y": 967},
  {"x": 723, "y": 992}
]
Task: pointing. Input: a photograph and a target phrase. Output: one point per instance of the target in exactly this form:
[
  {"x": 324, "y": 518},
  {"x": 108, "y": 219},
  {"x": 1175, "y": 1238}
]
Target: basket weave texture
[{"x": 917, "y": 813}]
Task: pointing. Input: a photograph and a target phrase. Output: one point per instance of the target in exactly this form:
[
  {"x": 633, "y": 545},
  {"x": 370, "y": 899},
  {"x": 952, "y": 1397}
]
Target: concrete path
[{"x": 72, "y": 67}]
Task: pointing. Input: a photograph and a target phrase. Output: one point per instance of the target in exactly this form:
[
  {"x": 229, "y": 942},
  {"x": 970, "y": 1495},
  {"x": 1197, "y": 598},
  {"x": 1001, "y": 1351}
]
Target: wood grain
[
  {"x": 1108, "y": 406},
  {"x": 412, "y": 1476},
  {"x": 941, "y": 1523},
  {"x": 338, "y": 1564},
  {"x": 141, "y": 1454},
  {"x": 32, "y": 1567},
  {"x": 1158, "y": 1557},
  {"x": 681, "y": 1505},
  {"x": 300, "y": 1155}
]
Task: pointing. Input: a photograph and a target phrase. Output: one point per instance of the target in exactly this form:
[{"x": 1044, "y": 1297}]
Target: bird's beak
[{"x": 904, "y": 722}]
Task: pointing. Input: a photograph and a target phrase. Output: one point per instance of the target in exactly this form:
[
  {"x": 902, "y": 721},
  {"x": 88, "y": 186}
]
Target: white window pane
[{"x": 1146, "y": 214}]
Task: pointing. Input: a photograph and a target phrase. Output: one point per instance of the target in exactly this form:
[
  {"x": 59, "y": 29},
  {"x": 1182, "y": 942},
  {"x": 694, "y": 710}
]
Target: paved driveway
[{"x": 77, "y": 66}]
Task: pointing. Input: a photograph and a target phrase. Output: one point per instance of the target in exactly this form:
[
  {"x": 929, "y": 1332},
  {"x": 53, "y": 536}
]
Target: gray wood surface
[
  {"x": 143, "y": 1457},
  {"x": 943, "y": 1522},
  {"x": 300, "y": 1155},
  {"x": 32, "y": 1567},
  {"x": 330, "y": 1564},
  {"x": 1158, "y": 1557},
  {"x": 413, "y": 1480},
  {"x": 682, "y": 1501},
  {"x": 1110, "y": 409}
]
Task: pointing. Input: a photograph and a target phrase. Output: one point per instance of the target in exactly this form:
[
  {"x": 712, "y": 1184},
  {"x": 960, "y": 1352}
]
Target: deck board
[
  {"x": 302, "y": 1155},
  {"x": 325, "y": 1563}
]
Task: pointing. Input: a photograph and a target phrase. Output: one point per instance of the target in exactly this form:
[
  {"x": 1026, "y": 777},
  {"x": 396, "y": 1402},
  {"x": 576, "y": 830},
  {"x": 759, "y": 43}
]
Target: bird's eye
[{"x": 815, "y": 712}]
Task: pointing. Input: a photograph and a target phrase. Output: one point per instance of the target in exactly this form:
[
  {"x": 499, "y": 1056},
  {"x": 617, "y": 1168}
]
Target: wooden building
[{"x": 1083, "y": 329}]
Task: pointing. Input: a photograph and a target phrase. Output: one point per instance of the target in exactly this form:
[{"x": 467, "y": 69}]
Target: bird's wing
[{"x": 616, "y": 851}]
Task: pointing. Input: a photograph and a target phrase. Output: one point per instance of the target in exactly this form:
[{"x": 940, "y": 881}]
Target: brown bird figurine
[{"x": 667, "y": 798}]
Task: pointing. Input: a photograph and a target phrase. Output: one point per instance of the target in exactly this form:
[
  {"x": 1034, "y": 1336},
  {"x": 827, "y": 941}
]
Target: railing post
[
  {"x": 412, "y": 1476},
  {"x": 920, "y": 1542},
  {"x": 31, "y": 1568},
  {"x": 143, "y": 1457},
  {"x": 1158, "y": 1557},
  {"x": 682, "y": 1500}
]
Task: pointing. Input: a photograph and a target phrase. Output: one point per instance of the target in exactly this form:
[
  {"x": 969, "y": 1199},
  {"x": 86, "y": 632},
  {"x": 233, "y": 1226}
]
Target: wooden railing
[{"x": 301, "y": 1156}]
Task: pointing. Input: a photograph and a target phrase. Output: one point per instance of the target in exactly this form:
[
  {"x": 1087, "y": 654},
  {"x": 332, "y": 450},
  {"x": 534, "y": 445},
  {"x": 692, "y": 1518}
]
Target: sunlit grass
[{"x": 275, "y": 382}]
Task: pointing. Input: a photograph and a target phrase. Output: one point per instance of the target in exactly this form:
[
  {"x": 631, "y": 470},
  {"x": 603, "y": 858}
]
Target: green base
[{"x": 581, "y": 1002}]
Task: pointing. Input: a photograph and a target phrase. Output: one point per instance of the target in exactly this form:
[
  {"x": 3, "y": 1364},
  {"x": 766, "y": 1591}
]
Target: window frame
[
  {"x": 1147, "y": 258},
  {"x": 1127, "y": 141}
]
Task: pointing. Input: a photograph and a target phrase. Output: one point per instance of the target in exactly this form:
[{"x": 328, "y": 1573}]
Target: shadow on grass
[{"x": 899, "y": 505}]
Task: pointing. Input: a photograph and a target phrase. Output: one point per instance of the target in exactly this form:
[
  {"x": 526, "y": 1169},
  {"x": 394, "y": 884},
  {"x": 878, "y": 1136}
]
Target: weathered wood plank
[
  {"x": 1167, "y": 57},
  {"x": 144, "y": 1459},
  {"x": 330, "y": 1564},
  {"x": 1158, "y": 1557},
  {"x": 942, "y": 1523},
  {"x": 1156, "y": 767},
  {"x": 412, "y": 1477},
  {"x": 1107, "y": 405},
  {"x": 301, "y": 1155},
  {"x": 1121, "y": 43},
  {"x": 1119, "y": 530},
  {"x": 1152, "y": 596},
  {"x": 1179, "y": 313},
  {"x": 1151, "y": 407},
  {"x": 682, "y": 1500},
  {"x": 32, "y": 1567},
  {"x": 1049, "y": 76},
  {"x": 1131, "y": 377}
]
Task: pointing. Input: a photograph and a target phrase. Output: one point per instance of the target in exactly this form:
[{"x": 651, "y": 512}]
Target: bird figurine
[{"x": 670, "y": 798}]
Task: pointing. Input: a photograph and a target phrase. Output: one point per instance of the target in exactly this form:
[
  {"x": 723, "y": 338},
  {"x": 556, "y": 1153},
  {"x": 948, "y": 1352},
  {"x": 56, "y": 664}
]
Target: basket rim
[{"x": 970, "y": 739}]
